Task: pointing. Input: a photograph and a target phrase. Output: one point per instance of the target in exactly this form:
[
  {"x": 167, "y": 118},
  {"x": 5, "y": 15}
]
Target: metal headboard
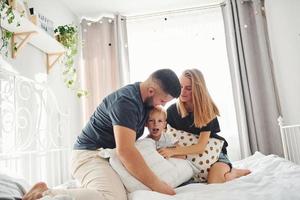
[
  {"x": 290, "y": 136},
  {"x": 34, "y": 131}
]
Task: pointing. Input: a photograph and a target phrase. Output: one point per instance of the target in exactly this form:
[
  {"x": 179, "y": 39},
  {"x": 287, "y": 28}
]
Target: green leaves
[
  {"x": 5, "y": 38},
  {"x": 9, "y": 16},
  {"x": 81, "y": 93}
]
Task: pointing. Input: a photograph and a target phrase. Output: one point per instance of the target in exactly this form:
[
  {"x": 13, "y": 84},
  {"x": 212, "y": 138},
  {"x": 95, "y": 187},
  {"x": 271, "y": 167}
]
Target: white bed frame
[
  {"x": 33, "y": 131},
  {"x": 290, "y": 136}
]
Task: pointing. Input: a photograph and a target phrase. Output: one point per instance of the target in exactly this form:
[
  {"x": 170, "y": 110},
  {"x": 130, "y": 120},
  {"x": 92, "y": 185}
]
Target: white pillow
[{"x": 173, "y": 171}]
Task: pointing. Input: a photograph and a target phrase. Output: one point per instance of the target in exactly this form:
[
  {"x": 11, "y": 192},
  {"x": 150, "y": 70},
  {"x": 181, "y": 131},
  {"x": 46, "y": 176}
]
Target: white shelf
[{"x": 36, "y": 36}]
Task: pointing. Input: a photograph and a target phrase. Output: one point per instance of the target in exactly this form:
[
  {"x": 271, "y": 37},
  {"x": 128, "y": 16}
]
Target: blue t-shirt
[
  {"x": 187, "y": 124},
  {"x": 123, "y": 107}
]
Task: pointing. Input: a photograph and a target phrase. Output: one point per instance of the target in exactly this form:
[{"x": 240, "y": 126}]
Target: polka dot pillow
[{"x": 201, "y": 162}]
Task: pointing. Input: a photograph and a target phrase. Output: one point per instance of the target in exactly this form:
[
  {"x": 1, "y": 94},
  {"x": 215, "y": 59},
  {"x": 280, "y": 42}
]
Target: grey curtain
[
  {"x": 254, "y": 85},
  {"x": 122, "y": 48}
]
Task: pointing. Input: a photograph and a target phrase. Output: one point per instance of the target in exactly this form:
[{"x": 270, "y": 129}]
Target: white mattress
[{"x": 272, "y": 178}]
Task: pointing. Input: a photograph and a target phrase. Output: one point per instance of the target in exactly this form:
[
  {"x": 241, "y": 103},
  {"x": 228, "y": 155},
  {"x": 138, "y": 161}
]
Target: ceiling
[{"x": 96, "y": 8}]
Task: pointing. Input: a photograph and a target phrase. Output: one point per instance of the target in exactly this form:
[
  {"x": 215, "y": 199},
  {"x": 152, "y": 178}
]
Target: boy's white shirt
[{"x": 165, "y": 140}]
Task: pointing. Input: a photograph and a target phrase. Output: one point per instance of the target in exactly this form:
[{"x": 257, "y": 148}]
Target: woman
[{"x": 195, "y": 112}]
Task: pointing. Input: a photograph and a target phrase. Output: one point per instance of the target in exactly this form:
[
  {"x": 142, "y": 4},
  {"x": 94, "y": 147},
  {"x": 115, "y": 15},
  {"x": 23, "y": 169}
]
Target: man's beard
[{"x": 149, "y": 102}]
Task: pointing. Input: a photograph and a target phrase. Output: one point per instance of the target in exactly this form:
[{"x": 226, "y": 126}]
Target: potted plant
[{"x": 67, "y": 35}]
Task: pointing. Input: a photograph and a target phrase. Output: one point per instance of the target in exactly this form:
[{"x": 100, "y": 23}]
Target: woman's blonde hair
[{"x": 204, "y": 107}]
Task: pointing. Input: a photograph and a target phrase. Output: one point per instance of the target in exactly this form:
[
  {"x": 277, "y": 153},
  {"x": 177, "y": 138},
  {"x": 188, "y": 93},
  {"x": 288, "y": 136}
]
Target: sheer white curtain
[
  {"x": 104, "y": 59},
  {"x": 181, "y": 40}
]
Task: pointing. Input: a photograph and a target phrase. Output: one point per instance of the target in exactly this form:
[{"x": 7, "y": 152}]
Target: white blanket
[
  {"x": 11, "y": 185},
  {"x": 272, "y": 178}
]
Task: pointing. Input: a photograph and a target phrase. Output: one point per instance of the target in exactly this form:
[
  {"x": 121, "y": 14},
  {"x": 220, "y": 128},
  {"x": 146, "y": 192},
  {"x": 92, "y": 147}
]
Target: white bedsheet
[{"x": 272, "y": 178}]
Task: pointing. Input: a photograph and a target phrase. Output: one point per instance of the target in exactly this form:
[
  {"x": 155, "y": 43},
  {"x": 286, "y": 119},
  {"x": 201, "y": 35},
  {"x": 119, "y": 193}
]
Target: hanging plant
[
  {"x": 6, "y": 14},
  {"x": 67, "y": 35},
  {"x": 5, "y": 38}
]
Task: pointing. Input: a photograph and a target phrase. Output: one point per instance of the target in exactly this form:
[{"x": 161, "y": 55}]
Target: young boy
[{"x": 156, "y": 124}]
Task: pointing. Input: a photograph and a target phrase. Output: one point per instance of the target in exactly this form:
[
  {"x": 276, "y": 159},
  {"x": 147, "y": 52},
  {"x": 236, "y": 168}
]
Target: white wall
[
  {"x": 283, "y": 18},
  {"x": 31, "y": 61}
]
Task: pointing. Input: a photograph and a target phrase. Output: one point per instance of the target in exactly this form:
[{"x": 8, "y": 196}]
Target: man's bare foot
[
  {"x": 236, "y": 173},
  {"x": 36, "y": 192}
]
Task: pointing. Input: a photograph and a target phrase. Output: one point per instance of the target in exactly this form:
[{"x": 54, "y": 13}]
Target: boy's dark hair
[{"x": 167, "y": 81}]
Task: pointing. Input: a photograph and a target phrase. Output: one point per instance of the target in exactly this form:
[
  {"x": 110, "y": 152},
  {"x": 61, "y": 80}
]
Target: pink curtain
[{"x": 105, "y": 65}]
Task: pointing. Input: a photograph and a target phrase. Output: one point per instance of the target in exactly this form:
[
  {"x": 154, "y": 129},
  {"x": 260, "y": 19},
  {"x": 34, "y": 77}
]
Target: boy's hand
[{"x": 166, "y": 152}]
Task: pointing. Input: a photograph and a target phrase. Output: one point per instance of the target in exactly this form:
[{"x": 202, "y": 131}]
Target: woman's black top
[{"x": 187, "y": 124}]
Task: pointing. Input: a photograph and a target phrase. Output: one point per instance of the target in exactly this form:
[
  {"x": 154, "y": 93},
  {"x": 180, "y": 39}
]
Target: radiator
[{"x": 290, "y": 136}]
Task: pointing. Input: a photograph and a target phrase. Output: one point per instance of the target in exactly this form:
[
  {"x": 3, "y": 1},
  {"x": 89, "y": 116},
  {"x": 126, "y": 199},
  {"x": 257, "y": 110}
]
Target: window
[{"x": 185, "y": 40}]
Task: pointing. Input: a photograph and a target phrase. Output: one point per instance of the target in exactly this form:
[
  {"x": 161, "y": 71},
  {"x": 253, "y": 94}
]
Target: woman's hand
[{"x": 167, "y": 152}]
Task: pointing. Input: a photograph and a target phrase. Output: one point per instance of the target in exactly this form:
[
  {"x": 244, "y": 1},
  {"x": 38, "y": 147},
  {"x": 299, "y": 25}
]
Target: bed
[{"x": 272, "y": 177}]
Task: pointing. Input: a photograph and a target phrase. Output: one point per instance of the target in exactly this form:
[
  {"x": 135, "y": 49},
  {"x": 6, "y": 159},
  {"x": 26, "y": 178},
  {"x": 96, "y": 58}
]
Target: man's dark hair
[{"x": 168, "y": 81}]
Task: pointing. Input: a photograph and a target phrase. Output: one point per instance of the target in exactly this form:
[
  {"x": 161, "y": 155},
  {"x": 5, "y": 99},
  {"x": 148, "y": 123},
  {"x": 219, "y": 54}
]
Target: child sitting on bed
[{"x": 156, "y": 124}]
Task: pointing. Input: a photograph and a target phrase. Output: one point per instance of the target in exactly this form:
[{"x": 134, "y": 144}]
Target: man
[{"x": 117, "y": 122}]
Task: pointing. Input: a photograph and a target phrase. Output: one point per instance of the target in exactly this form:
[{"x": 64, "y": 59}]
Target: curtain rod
[{"x": 192, "y": 9}]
